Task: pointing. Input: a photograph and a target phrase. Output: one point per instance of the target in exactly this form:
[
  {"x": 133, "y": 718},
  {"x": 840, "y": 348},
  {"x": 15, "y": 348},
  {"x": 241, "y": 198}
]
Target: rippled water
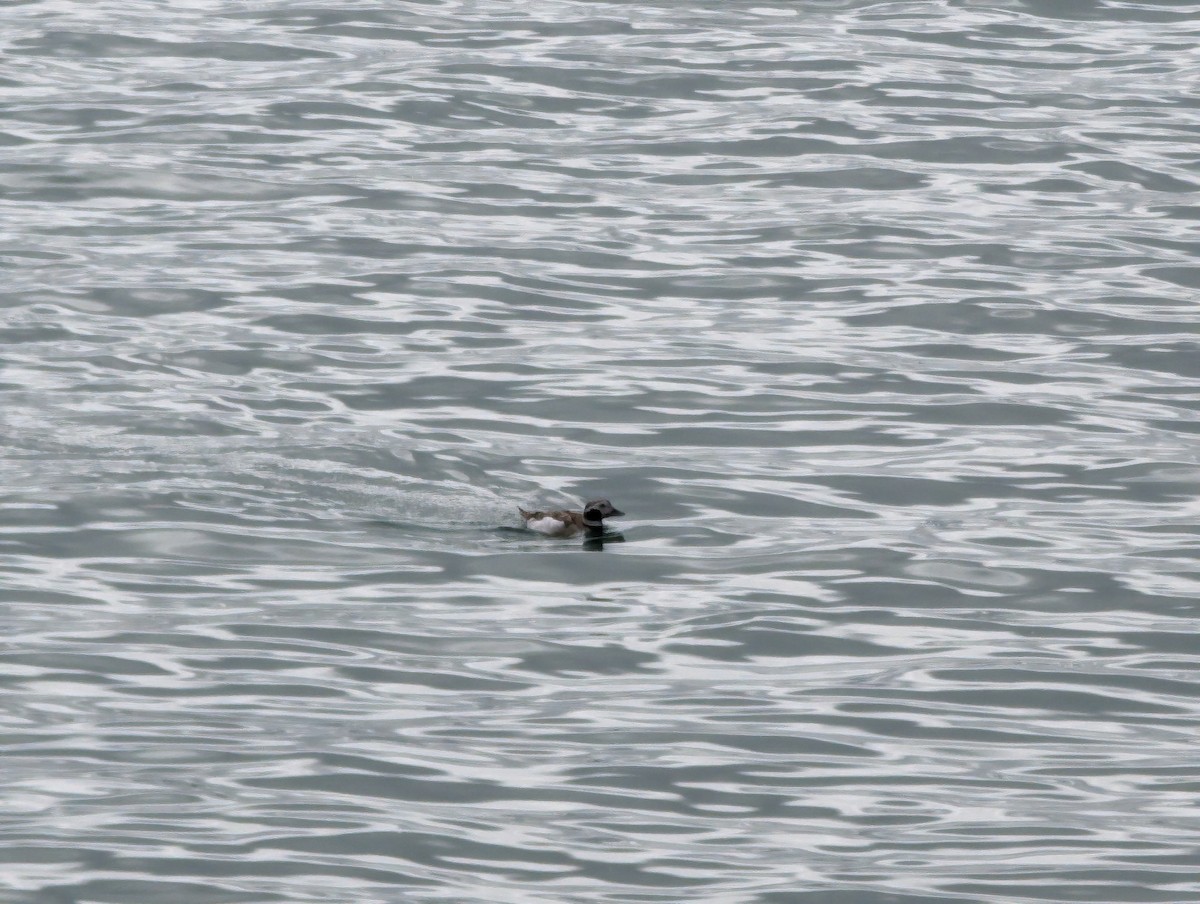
[{"x": 879, "y": 319}]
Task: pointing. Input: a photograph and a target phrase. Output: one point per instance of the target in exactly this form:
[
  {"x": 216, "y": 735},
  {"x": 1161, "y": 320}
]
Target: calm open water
[{"x": 879, "y": 319}]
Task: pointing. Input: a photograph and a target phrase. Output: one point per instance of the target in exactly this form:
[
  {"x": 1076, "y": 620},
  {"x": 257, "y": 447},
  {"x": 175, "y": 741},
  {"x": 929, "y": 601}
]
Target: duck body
[{"x": 567, "y": 523}]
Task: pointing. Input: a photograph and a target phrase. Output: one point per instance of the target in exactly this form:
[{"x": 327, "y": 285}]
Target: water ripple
[{"x": 878, "y": 319}]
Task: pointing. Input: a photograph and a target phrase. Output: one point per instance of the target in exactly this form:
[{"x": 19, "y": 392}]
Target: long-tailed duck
[{"x": 568, "y": 523}]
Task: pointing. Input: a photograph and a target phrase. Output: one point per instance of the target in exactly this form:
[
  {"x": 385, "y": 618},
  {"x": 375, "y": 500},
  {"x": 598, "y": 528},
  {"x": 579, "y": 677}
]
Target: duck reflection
[{"x": 595, "y": 542}]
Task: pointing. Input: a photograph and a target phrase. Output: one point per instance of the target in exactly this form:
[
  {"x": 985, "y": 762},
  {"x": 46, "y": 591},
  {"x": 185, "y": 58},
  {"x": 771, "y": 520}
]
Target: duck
[{"x": 565, "y": 523}]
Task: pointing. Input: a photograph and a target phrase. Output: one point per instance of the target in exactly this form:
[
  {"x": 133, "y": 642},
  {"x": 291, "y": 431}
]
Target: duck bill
[{"x": 615, "y": 513}]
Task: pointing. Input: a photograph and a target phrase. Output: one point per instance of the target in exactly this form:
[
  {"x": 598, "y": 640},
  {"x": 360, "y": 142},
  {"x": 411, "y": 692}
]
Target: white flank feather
[{"x": 548, "y": 526}]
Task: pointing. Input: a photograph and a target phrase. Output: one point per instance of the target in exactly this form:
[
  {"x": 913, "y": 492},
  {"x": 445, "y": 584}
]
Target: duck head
[{"x": 597, "y": 510}]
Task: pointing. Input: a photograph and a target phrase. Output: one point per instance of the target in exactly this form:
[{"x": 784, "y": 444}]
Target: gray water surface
[{"x": 879, "y": 320}]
